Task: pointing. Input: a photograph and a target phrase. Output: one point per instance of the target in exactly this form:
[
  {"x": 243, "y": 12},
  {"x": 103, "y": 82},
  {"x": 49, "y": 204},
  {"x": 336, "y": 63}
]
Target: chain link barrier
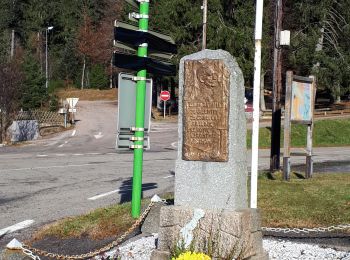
[
  {"x": 33, "y": 252},
  {"x": 307, "y": 230}
]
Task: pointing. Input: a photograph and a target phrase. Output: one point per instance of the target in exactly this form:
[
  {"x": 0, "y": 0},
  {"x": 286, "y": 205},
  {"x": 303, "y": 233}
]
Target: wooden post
[
  {"x": 276, "y": 92},
  {"x": 310, "y": 127},
  {"x": 309, "y": 161},
  {"x": 287, "y": 127}
]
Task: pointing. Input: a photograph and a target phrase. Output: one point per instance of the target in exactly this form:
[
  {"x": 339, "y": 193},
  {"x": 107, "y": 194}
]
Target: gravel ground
[
  {"x": 278, "y": 249},
  {"x": 286, "y": 250}
]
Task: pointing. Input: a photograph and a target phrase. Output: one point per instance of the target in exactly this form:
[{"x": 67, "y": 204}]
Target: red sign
[{"x": 164, "y": 95}]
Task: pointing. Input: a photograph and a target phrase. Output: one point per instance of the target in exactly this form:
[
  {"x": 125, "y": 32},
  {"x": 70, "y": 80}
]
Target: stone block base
[
  {"x": 160, "y": 255},
  {"x": 222, "y": 234}
]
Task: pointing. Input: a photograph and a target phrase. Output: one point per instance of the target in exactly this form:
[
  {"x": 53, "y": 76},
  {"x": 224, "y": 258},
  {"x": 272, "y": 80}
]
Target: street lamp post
[{"x": 46, "y": 62}]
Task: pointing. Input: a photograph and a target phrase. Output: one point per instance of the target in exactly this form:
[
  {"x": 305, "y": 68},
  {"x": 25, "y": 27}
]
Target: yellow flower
[{"x": 192, "y": 256}]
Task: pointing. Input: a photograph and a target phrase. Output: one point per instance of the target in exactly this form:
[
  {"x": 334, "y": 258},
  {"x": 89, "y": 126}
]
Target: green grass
[
  {"x": 335, "y": 132},
  {"x": 98, "y": 224},
  {"x": 321, "y": 201}
]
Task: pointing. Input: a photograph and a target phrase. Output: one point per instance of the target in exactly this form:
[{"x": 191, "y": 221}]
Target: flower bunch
[{"x": 192, "y": 256}]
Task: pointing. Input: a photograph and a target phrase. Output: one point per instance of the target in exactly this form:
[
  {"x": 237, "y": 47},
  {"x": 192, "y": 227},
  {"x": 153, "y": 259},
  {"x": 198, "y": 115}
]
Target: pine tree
[{"x": 34, "y": 93}]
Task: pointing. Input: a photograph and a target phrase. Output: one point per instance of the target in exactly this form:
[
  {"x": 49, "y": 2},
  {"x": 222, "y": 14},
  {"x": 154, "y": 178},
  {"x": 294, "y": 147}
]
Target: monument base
[{"x": 222, "y": 234}]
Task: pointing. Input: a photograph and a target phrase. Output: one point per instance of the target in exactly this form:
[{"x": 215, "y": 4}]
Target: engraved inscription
[{"x": 206, "y": 106}]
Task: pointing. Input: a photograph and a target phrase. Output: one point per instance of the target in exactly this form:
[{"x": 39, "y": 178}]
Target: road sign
[
  {"x": 134, "y": 3},
  {"x": 136, "y": 63},
  {"x": 72, "y": 102},
  {"x": 126, "y": 110},
  {"x": 165, "y": 95},
  {"x": 132, "y": 50},
  {"x": 131, "y": 35}
]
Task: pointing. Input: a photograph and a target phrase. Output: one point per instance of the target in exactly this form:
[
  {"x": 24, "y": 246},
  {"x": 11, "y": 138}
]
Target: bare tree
[
  {"x": 94, "y": 44},
  {"x": 10, "y": 85}
]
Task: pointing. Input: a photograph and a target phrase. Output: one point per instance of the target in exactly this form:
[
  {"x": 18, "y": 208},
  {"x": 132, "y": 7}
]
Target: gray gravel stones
[
  {"x": 139, "y": 249},
  {"x": 278, "y": 249},
  {"x": 286, "y": 250}
]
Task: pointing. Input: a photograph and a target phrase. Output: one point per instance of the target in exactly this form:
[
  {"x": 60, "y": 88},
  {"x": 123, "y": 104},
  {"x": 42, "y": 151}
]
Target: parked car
[{"x": 248, "y": 100}]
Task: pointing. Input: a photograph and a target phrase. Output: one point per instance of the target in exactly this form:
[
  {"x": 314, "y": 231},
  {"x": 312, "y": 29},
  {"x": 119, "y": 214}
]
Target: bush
[
  {"x": 53, "y": 103},
  {"x": 55, "y": 85},
  {"x": 98, "y": 77}
]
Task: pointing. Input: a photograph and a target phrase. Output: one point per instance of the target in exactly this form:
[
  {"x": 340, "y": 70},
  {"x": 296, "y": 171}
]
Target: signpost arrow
[
  {"x": 134, "y": 3},
  {"x": 136, "y": 63},
  {"x": 131, "y": 35}
]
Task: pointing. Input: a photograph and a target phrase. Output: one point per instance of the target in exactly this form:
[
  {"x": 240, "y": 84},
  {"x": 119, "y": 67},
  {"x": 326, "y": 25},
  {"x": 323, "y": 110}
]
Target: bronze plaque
[{"x": 206, "y": 106}]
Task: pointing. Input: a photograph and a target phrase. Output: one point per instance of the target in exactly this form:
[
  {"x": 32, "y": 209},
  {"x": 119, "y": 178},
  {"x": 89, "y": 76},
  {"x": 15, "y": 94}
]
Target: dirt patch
[
  {"x": 159, "y": 116},
  {"x": 73, "y": 246},
  {"x": 50, "y": 130},
  {"x": 89, "y": 94}
]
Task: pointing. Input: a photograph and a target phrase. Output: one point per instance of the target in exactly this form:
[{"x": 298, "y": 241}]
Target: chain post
[{"x": 30, "y": 251}]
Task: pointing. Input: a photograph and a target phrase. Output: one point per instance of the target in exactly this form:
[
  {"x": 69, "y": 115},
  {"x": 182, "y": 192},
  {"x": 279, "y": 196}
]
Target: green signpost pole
[{"x": 139, "y": 118}]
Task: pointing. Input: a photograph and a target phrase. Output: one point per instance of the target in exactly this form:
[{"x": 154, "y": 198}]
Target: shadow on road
[{"x": 126, "y": 189}]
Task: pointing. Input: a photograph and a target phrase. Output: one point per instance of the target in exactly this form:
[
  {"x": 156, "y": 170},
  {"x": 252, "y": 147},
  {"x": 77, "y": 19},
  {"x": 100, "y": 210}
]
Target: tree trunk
[
  {"x": 87, "y": 78},
  {"x": 40, "y": 50},
  {"x": 319, "y": 47},
  {"x": 262, "y": 90},
  {"x": 111, "y": 76},
  {"x": 337, "y": 92},
  {"x": 1, "y": 128},
  {"x": 12, "y": 52},
  {"x": 83, "y": 73}
]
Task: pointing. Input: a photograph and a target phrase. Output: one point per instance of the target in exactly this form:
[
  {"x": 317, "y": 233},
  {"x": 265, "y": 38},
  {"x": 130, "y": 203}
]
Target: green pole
[{"x": 139, "y": 119}]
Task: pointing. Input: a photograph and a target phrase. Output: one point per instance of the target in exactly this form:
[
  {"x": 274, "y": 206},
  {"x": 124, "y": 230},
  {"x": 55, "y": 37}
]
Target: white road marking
[
  {"x": 167, "y": 177},
  {"x": 48, "y": 167},
  {"x": 93, "y": 153},
  {"x": 50, "y": 144},
  {"x": 103, "y": 195},
  {"x": 74, "y": 132},
  {"x": 18, "y": 226},
  {"x": 174, "y": 144},
  {"x": 60, "y": 154},
  {"x": 99, "y": 135},
  {"x": 66, "y": 142},
  {"x": 78, "y": 154},
  {"x": 42, "y": 155}
]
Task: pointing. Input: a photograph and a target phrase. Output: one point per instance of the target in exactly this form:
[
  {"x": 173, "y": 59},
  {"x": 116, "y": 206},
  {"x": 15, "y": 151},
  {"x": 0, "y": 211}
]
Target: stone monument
[{"x": 211, "y": 211}]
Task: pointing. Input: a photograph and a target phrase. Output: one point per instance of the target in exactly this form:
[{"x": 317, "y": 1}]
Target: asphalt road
[{"x": 79, "y": 170}]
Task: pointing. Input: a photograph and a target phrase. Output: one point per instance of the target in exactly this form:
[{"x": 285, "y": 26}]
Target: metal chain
[
  {"x": 306, "y": 230},
  {"x": 30, "y": 251},
  {"x": 30, "y": 254}
]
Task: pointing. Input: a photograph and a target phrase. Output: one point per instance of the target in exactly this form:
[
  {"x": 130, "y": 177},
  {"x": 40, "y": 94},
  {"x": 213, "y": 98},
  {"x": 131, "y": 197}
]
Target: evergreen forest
[{"x": 78, "y": 35}]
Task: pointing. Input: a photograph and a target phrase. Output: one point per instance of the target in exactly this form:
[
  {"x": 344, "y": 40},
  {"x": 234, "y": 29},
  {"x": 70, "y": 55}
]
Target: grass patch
[
  {"x": 98, "y": 224},
  {"x": 330, "y": 132},
  {"x": 323, "y": 200},
  {"x": 88, "y": 94}
]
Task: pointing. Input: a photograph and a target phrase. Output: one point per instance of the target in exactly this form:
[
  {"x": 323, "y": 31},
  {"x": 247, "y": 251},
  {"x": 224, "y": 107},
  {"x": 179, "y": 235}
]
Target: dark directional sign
[
  {"x": 134, "y": 3},
  {"x": 130, "y": 35},
  {"x": 153, "y": 66}
]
